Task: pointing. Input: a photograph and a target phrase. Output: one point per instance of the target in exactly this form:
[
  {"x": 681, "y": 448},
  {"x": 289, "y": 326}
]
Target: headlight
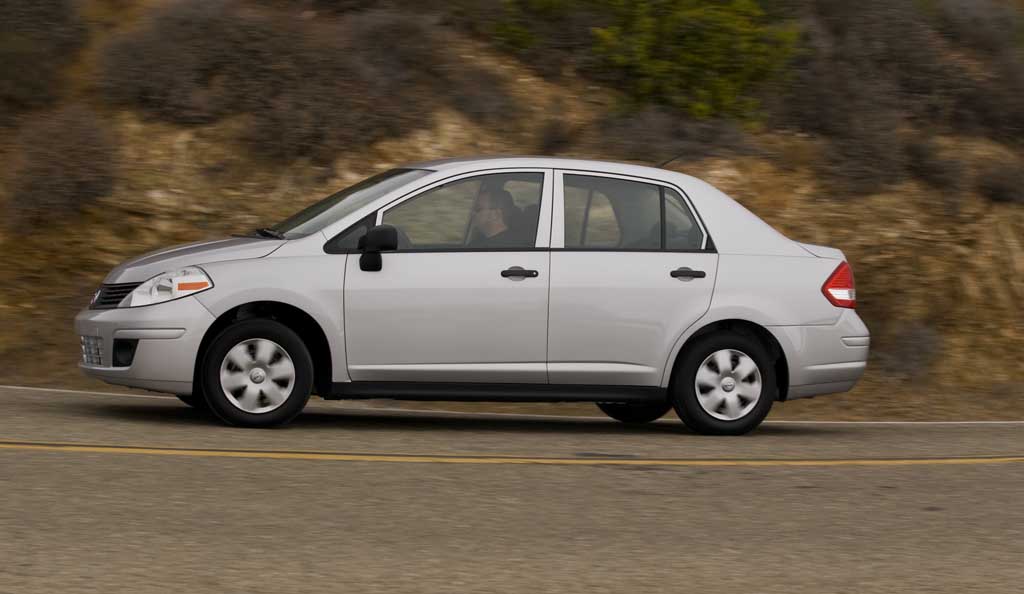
[{"x": 167, "y": 286}]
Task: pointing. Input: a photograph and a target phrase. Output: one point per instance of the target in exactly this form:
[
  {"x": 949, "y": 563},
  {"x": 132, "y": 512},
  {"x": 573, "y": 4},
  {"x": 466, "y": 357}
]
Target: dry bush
[
  {"x": 994, "y": 105},
  {"x": 329, "y": 6},
  {"x": 657, "y": 134},
  {"x": 1002, "y": 182},
  {"x": 866, "y": 70},
  {"x": 550, "y": 36},
  {"x": 989, "y": 26},
  {"x": 865, "y": 58},
  {"x": 66, "y": 160},
  {"x": 196, "y": 61},
  {"x": 312, "y": 90},
  {"x": 925, "y": 162},
  {"x": 37, "y": 39},
  {"x": 556, "y": 135},
  {"x": 909, "y": 349},
  {"x": 312, "y": 87}
]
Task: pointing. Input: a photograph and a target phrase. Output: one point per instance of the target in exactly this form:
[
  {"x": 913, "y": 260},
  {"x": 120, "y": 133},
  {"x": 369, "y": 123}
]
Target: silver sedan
[{"x": 525, "y": 279}]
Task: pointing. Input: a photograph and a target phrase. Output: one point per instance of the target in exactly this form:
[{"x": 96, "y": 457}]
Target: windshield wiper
[{"x": 268, "y": 232}]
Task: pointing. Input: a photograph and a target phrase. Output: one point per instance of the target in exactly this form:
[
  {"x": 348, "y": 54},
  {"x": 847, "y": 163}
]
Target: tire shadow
[{"x": 174, "y": 413}]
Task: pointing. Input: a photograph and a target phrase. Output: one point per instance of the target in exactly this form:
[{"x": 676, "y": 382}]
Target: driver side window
[{"x": 497, "y": 211}]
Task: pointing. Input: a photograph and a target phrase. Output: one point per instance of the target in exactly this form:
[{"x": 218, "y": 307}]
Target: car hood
[{"x": 149, "y": 265}]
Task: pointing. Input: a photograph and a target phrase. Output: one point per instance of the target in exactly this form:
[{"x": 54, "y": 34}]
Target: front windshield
[{"x": 340, "y": 204}]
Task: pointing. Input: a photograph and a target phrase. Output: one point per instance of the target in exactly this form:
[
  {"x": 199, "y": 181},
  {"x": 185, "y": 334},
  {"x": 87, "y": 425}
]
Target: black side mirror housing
[{"x": 381, "y": 238}]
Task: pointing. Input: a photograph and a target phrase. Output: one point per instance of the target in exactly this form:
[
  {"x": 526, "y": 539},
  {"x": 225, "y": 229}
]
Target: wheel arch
[
  {"x": 303, "y": 324},
  {"x": 759, "y": 332}
]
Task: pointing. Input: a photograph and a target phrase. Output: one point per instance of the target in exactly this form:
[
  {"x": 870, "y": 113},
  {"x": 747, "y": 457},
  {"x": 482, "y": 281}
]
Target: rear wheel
[
  {"x": 725, "y": 384},
  {"x": 257, "y": 373},
  {"x": 635, "y": 413}
]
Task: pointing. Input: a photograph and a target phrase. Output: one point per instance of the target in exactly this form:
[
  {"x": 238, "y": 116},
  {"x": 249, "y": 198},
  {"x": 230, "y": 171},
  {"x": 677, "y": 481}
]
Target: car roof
[{"x": 459, "y": 164}]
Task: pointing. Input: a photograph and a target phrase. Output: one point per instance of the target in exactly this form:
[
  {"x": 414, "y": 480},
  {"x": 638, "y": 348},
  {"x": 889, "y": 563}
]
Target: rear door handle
[
  {"x": 687, "y": 273},
  {"x": 519, "y": 272}
]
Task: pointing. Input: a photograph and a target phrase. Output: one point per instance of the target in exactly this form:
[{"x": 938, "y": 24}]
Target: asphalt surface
[{"x": 126, "y": 493}]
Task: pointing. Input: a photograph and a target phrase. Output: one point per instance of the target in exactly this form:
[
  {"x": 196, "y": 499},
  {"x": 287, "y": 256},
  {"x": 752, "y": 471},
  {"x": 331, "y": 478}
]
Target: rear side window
[
  {"x": 610, "y": 213},
  {"x": 681, "y": 231}
]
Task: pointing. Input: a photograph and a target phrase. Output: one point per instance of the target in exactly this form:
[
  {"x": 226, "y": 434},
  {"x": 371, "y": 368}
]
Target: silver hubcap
[
  {"x": 257, "y": 375},
  {"x": 728, "y": 384}
]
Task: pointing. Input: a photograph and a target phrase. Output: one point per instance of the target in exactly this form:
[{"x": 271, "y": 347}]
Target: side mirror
[{"x": 381, "y": 238}]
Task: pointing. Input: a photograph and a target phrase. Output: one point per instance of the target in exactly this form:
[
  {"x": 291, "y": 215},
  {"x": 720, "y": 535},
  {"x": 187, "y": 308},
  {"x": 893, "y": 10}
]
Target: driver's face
[{"x": 486, "y": 216}]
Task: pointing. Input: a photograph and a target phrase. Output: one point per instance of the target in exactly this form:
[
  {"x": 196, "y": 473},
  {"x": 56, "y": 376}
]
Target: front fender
[{"x": 313, "y": 284}]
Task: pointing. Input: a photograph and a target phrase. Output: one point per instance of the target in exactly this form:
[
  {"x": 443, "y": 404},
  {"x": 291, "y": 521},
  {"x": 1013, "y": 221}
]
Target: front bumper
[{"x": 168, "y": 337}]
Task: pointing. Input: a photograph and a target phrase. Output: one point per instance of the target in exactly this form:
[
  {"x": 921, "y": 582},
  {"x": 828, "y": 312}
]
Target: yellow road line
[{"x": 452, "y": 459}]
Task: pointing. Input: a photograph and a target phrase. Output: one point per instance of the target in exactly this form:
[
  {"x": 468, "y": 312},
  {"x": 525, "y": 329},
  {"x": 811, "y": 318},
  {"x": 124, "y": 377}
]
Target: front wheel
[
  {"x": 257, "y": 373},
  {"x": 634, "y": 413},
  {"x": 725, "y": 384}
]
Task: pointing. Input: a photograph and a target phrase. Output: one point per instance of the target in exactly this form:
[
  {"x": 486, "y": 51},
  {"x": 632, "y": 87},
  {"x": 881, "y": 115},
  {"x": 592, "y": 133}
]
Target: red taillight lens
[{"x": 839, "y": 288}]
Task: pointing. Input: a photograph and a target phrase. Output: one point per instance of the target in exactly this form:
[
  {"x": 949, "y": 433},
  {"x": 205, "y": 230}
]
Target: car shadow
[{"x": 405, "y": 421}]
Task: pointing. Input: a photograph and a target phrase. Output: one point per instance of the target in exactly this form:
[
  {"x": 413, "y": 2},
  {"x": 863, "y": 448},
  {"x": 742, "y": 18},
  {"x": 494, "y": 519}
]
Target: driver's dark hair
[{"x": 502, "y": 198}]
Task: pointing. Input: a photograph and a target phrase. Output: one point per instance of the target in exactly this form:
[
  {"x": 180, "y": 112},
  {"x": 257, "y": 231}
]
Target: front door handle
[
  {"x": 687, "y": 273},
  {"x": 519, "y": 272}
]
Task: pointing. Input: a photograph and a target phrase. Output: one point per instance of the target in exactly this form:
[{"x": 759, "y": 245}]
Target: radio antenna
[{"x": 664, "y": 163}]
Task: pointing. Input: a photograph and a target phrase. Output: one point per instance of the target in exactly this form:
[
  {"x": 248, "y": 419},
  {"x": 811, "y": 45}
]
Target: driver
[{"x": 492, "y": 224}]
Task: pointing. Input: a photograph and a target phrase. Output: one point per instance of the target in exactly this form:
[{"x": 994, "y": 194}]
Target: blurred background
[{"x": 891, "y": 129}]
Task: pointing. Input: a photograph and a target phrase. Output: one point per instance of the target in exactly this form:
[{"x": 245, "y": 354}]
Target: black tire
[
  {"x": 683, "y": 392},
  {"x": 266, "y": 329},
  {"x": 635, "y": 413},
  {"x": 196, "y": 401}
]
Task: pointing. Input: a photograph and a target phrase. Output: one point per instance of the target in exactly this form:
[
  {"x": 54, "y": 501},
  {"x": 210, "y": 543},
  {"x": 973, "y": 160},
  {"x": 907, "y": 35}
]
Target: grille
[
  {"x": 110, "y": 295},
  {"x": 92, "y": 350}
]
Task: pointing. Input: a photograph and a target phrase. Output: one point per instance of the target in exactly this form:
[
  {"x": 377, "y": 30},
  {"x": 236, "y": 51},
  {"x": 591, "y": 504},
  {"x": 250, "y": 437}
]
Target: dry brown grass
[{"x": 940, "y": 272}]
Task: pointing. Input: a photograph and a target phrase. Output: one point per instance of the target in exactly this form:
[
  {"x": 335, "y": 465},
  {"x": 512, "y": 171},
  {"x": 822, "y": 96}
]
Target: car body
[{"x": 605, "y": 282}]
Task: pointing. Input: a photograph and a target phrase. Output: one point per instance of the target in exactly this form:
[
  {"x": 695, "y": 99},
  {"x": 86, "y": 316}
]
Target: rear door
[
  {"x": 450, "y": 305},
  {"x": 630, "y": 271}
]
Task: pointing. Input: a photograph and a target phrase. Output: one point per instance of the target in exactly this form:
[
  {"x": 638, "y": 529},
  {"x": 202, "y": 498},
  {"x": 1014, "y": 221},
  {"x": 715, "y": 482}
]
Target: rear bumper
[
  {"x": 168, "y": 337},
  {"x": 824, "y": 359}
]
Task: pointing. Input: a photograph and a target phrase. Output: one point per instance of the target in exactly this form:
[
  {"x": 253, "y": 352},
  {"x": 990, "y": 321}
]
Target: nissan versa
[{"x": 505, "y": 279}]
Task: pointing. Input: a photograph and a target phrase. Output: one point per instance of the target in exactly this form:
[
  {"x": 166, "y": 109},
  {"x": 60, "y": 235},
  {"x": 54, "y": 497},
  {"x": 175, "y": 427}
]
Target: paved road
[{"x": 152, "y": 497}]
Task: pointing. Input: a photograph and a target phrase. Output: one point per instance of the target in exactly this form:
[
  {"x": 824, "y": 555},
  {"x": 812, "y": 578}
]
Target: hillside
[{"x": 161, "y": 122}]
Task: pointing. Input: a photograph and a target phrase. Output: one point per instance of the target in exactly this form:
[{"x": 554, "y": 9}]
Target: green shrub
[
  {"x": 65, "y": 160},
  {"x": 706, "y": 58},
  {"x": 37, "y": 38}
]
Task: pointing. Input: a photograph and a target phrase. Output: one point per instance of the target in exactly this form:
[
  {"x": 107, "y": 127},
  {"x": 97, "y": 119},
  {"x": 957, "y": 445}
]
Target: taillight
[{"x": 839, "y": 288}]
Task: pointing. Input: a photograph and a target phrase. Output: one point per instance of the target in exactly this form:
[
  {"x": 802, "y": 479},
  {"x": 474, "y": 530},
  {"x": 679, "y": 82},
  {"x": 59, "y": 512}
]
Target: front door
[
  {"x": 630, "y": 270},
  {"x": 465, "y": 297}
]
